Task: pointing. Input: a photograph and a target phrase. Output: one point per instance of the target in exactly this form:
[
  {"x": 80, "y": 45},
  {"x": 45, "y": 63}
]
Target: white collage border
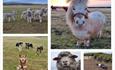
[{"x": 49, "y": 38}]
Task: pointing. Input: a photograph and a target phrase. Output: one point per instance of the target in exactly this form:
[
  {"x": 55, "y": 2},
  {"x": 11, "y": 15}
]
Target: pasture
[
  {"x": 35, "y": 62},
  {"x": 21, "y": 25},
  {"x": 62, "y": 38}
]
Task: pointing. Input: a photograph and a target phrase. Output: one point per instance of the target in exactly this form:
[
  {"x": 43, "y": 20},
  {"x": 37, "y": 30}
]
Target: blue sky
[{"x": 27, "y": 1}]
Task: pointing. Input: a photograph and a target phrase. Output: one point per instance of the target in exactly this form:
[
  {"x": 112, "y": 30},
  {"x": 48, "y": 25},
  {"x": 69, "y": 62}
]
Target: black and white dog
[{"x": 28, "y": 45}]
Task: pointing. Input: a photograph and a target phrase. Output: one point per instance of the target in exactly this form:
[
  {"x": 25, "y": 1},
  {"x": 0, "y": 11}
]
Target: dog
[
  {"x": 22, "y": 63},
  {"x": 39, "y": 49}
]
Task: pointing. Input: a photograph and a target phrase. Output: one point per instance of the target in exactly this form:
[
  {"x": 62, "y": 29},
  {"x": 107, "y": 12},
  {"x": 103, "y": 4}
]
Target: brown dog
[{"x": 22, "y": 63}]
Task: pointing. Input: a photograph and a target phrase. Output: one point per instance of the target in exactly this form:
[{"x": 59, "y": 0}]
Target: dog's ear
[{"x": 56, "y": 58}]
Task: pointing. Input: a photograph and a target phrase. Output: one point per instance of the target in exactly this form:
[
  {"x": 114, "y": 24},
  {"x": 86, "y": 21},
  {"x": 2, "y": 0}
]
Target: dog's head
[{"x": 22, "y": 59}]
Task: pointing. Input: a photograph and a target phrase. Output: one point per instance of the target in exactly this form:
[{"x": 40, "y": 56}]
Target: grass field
[
  {"x": 62, "y": 37},
  {"x": 11, "y": 53},
  {"x": 21, "y": 25}
]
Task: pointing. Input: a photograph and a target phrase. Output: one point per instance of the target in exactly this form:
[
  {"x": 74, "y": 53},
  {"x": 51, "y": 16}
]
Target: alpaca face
[
  {"x": 79, "y": 15},
  {"x": 79, "y": 19}
]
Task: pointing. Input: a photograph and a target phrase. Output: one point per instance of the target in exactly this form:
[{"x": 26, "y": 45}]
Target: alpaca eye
[{"x": 73, "y": 8}]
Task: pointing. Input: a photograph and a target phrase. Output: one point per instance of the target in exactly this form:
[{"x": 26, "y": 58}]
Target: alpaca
[{"x": 84, "y": 24}]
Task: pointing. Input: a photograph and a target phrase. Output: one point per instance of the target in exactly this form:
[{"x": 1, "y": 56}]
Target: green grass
[
  {"x": 67, "y": 41},
  {"x": 11, "y": 53},
  {"x": 21, "y": 25}
]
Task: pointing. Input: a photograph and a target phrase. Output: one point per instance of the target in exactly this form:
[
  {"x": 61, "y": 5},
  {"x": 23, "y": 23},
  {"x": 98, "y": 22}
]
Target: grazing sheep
[
  {"x": 9, "y": 16},
  {"x": 84, "y": 24},
  {"x": 22, "y": 62},
  {"x": 66, "y": 61}
]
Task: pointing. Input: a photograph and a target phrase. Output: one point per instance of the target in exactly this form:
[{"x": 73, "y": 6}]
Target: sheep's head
[{"x": 65, "y": 59}]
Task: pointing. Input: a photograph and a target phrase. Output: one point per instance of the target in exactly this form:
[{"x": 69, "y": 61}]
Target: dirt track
[{"x": 90, "y": 64}]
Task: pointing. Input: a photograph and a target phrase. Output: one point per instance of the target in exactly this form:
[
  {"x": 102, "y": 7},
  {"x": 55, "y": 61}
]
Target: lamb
[
  {"x": 66, "y": 61},
  {"x": 84, "y": 24},
  {"x": 9, "y": 16}
]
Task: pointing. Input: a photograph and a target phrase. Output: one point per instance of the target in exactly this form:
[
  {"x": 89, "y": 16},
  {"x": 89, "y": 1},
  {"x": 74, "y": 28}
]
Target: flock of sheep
[{"x": 29, "y": 15}]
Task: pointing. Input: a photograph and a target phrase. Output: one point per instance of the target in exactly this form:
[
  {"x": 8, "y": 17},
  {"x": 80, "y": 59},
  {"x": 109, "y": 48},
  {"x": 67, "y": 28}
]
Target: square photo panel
[
  {"x": 81, "y": 24},
  {"x": 98, "y": 61},
  {"x": 25, "y": 53}
]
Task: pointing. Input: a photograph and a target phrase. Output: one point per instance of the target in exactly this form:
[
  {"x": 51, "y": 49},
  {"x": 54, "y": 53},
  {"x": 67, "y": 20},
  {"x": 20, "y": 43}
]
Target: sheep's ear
[
  {"x": 74, "y": 56},
  {"x": 56, "y": 58}
]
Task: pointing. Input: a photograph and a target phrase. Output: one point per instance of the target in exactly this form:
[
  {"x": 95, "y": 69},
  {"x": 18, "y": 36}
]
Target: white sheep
[{"x": 83, "y": 24}]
